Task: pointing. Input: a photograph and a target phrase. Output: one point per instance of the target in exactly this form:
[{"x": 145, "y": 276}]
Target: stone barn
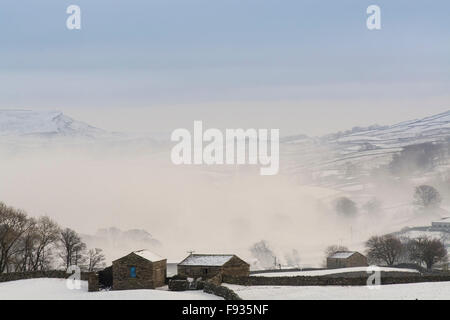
[
  {"x": 139, "y": 270},
  {"x": 346, "y": 259},
  {"x": 208, "y": 265}
]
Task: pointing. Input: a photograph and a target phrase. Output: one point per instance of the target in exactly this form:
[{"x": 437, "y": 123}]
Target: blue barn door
[{"x": 132, "y": 272}]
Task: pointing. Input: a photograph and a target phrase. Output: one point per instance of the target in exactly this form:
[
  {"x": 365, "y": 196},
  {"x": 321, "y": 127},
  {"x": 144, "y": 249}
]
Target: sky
[{"x": 152, "y": 66}]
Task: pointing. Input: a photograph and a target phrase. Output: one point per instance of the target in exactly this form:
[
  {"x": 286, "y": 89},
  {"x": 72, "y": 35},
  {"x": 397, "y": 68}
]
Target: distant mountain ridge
[
  {"x": 44, "y": 124},
  {"x": 419, "y": 130},
  {"x": 325, "y": 160}
]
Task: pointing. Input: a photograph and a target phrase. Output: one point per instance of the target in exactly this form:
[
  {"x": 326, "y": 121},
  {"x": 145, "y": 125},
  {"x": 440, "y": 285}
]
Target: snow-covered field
[
  {"x": 421, "y": 291},
  {"x": 326, "y": 272},
  {"x": 56, "y": 289},
  {"x": 49, "y": 289}
]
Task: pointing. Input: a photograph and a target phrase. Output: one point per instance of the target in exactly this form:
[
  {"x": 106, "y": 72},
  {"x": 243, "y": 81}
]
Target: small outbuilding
[
  {"x": 441, "y": 225},
  {"x": 209, "y": 265},
  {"x": 346, "y": 259},
  {"x": 139, "y": 270}
]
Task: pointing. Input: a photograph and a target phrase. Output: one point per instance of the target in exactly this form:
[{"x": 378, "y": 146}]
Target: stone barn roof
[
  {"x": 342, "y": 254},
  {"x": 147, "y": 255},
  {"x": 206, "y": 260}
]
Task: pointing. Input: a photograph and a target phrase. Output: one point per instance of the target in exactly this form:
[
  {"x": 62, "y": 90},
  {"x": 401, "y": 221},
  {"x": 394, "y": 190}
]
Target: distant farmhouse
[
  {"x": 346, "y": 259},
  {"x": 139, "y": 270},
  {"x": 441, "y": 225},
  {"x": 209, "y": 265}
]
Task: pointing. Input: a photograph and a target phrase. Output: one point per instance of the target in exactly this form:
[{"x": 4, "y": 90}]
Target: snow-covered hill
[
  {"x": 44, "y": 124},
  {"x": 359, "y": 149},
  {"x": 381, "y": 140},
  {"x": 415, "y": 131},
  {"x": 30, "y": 131}
]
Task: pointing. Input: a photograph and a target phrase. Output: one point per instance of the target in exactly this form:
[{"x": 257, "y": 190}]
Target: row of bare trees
[
  {"x": 426, "y": 198},
  {"x": 389, "y": 250},
  {"x": 32, "y": 244}
]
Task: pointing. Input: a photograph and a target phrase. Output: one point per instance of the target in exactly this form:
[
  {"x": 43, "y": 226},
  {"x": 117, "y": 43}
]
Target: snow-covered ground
[
  {"x": 326, "y": 272},
  {"x": 412, "y": 291},
  {"x": 56, "y": 289}
]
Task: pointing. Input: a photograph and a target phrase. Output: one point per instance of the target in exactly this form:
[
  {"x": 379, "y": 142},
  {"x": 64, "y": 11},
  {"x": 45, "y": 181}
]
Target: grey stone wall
[
  {"x": 60, "y": 274},
  {"x": 362, "y": 274},
  {"x": 178, "y": 285},
  {"x": 220, "y": 291},
  {"x": 93, "y": 283},
  {"x": 256, "y": 272},
  {"x": 330, "y": 281}
]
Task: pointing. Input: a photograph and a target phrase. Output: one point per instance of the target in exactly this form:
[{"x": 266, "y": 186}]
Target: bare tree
[
  {"x": 13, "y": 225},
  {"x": 427, "y": 250},
  {"x": 26, "y": 244},
  {"x": 417, "y": 157},
  {"x": 72, "y": 248},
  {"x": 373, "y": 206},
  {"x": 264, "y": 254},
  {"x": 23, "y": 254},
  {"x": 427, "y": 197},
  {"x": 47, "y": 235},
  {"x": 33, "y": 249},
  {"x": 346, "y": 207},
  {"x": 386, "y": 249},
  {"x": 96, "y": 259},
  {"x": 293, "y": 258}
]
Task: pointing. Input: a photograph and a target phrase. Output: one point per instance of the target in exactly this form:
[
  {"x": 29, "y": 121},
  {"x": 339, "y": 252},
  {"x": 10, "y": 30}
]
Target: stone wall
[
  {"x": 212, "y": 286},
  {"x": 330, "y": 281},
  {"x": 256, "y": 272},
  {"x": 178, "y": 285},
  {"x": 362, "y": 274},
  {"x": 93, "y": 283},
  {"x": 105, "y": 278},
  {"x": 220, "y": 291},
  {"x": 60, "y": 274}
]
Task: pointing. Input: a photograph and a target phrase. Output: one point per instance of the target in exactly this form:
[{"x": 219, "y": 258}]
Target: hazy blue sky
[{"x": 153, "y": 65}]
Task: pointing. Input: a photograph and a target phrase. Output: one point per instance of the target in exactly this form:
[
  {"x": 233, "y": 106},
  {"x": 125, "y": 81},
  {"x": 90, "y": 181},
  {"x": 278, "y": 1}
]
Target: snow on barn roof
[
  {"x": 207, "y": 260},
  {"x": 148, "y": 255},
  {"x": 342, "y": 254}
]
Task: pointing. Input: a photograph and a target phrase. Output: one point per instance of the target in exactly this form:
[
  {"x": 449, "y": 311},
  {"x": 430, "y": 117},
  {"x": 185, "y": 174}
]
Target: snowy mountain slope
[
  {"x": 434, "y": 128},
  {"x": 44, "y": 123},
  {"x": 366, "y": 147},
  {"x": 27, "y": 130}
]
